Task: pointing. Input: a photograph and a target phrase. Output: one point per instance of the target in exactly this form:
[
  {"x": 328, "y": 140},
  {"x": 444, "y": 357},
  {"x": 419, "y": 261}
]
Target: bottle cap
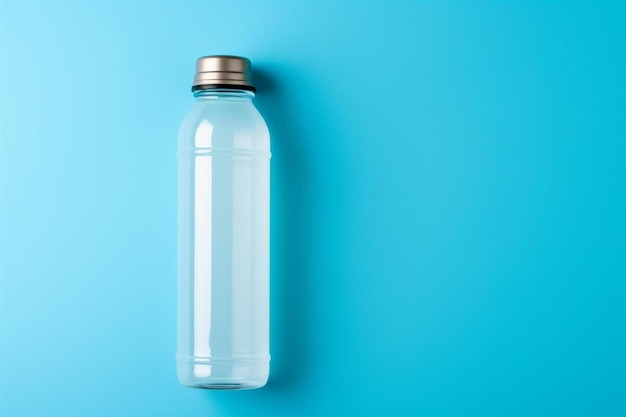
[{"x": 223, "y": 71}]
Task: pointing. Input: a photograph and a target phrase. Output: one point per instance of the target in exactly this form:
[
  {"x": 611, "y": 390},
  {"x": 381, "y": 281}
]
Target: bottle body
[{"x": 223, "y": 243}]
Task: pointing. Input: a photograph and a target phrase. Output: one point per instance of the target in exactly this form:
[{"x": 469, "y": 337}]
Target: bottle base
[
  {"x": 223, "y": 375},
  {"x": 223, "y": 386}
]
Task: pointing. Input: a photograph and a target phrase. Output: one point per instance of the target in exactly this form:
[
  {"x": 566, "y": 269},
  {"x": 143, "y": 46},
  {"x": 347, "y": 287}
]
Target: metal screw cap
[{"x": 223, "y": 71}]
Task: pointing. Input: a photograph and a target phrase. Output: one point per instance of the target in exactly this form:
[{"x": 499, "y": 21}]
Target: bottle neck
[{"x": 223, "y": 94}]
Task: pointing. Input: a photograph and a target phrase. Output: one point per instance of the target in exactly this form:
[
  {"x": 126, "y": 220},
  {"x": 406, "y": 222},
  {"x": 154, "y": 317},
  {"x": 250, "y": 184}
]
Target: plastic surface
[{"x": 223, "y": 241}]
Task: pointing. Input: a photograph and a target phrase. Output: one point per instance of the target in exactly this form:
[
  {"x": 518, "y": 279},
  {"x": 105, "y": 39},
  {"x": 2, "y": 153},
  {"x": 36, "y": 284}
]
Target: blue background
[{"x": 448, "y": 205}]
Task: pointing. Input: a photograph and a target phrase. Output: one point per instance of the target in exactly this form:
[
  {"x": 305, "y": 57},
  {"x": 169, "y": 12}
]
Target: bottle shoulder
[{"x": 227, "y": 124}]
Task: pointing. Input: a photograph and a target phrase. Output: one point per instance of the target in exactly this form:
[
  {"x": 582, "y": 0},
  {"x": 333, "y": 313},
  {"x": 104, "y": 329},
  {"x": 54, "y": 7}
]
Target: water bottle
[{"x": 223, "y": 231}]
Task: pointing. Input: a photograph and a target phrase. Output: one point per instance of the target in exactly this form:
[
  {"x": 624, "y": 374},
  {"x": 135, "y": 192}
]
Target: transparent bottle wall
[{"x": 223, "y": 268}]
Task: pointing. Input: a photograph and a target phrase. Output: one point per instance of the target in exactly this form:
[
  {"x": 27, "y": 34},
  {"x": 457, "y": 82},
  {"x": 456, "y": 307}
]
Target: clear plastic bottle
[{"x": 223, "y": 232}]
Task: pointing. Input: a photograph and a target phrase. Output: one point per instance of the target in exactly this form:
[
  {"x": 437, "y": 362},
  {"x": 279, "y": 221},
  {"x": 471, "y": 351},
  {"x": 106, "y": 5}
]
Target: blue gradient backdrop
[{"x": 448, "y": 205}]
